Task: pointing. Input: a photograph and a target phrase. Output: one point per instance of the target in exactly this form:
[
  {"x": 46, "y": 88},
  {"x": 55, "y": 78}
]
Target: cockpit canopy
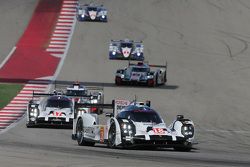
[
  {"x": 59, "y": 102},
  {"x": 140, "y": 114}
]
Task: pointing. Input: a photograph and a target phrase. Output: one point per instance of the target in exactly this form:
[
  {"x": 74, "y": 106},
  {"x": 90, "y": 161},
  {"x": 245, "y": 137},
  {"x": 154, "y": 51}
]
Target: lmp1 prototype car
[
  {"x": 141, "y": 73},
  {"x": 55, "y": 109},
  {"x": 134, "y": 124},
  {"x": 126, "y": 50},
  {"x": 90, "y": 12},
  {"x": 86, "y": 94}
]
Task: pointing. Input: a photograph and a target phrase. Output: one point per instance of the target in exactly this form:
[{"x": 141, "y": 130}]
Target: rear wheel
[
  {"x": 118, "y": 81},
  {"x": 80, "y": 135},
  {"x": 112, "y": 136}
]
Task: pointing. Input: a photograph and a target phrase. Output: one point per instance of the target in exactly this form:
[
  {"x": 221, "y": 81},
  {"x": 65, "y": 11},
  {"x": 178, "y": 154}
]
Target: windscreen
[
  {"x": 129, "y": 45},
  {"x": 146, "y": 117},
  {"x": 92, "y": 8},
  {"x": 59, "y": 103},
  {"x": 140, "y": 116},
  {"x": 136, "y": 69},
  {"x": 76, "y": 92}
]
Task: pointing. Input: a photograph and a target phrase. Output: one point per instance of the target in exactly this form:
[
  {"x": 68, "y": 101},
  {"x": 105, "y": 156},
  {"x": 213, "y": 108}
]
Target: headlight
[
  {"x": 129, "y": 127},
  {"x": 83, "y": 15},
  {"x": 124, "y": 126},
  {"x": 34, "y": 112},
  {"x": 187, "y": 130},
  {"x": 113, "y": 52},
  {"x": 150, "y": 76},
  {"x": 122, "y": 76},
  {"x": 103, "y": 16},
  {"x": 138, "y": 53}
]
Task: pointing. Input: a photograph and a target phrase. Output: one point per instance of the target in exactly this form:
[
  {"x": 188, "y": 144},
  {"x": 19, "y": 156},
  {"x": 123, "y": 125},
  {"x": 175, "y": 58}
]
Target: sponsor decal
[{"x": 101, "y": 134}]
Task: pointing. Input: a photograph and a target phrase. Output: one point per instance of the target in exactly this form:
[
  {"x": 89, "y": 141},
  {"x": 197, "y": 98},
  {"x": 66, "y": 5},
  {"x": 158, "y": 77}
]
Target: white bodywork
[{"x": 93, "y": 131}]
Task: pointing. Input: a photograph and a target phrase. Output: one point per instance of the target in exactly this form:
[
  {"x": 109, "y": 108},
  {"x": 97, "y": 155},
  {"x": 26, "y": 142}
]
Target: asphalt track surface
[{"x": 206, "y": 45}]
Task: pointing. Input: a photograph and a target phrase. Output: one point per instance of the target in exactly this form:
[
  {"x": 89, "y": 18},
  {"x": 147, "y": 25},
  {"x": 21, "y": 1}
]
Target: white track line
[{"x": 8, "y": 56}]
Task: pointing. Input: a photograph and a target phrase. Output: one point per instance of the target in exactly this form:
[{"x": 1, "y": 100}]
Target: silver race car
[
  {"x": 141, "y": 73},
  {"x": 126, "y": 50},
  {"x": 88, "y": 94},
  {"x": 90, "y": 12},
  {"x": 132, "y": 125},
  {"x": 54, "y": 109}
]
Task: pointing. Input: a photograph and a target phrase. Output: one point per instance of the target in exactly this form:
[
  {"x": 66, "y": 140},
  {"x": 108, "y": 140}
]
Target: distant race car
[
  {"x": 141, "y": 73},
  {"x": 90, "y": 12},
  {"x": 54, "y": 109},
  {"x": 126, "y": 50},
  {"x": 131, "y": 125},
  {"x": 87, "y": 94}
]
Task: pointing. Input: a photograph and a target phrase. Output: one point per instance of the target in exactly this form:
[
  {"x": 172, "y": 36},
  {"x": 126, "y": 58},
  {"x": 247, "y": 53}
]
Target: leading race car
[
  {"x": 90, "y": 12},
  {"x": 54, "y": 109},
  {"x": 130, "y": 125},
  {"x": 126, "y": 50},
  {"x": 141, "y": 73}
]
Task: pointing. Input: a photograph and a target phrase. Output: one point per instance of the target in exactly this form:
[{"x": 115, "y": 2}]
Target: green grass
[{"x": 8, "y": 92}]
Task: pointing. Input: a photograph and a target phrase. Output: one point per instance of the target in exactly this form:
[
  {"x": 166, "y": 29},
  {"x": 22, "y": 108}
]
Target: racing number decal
[
  {"x": 101, "y": 134},
  {"x": 158, "y": 130},
  {"x": 58, "y": 114}
]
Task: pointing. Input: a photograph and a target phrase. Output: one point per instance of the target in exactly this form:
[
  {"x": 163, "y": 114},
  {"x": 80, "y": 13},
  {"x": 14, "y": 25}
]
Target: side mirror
[{"x": 109, "y": 115}]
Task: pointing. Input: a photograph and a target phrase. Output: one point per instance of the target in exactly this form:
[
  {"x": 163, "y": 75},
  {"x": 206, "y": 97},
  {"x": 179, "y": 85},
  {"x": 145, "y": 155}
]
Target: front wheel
[
  {"x": 185, "y": 147},
  {"x": 112, "y": 136}
]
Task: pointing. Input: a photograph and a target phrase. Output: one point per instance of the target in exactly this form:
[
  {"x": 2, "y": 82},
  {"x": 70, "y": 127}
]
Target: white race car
[
  {"x": 54, "y": 109},
  {"x": 132, "y": 124}
]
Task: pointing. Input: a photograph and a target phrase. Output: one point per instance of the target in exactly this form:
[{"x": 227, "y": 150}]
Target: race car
[
  {"x": 90, "y": 12},
  {"x": 88, "y": 94},
  {"x": 141, "y": 73},
  {"x": 126, "y": 50},
  {"x": 132, "y": 124},
  {"x": 54, "y": 109}
]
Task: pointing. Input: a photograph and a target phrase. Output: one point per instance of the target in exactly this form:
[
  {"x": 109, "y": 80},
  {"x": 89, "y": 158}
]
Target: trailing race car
[
  {"x": 130, "y": 125},
  {"x": 55, "y": 109},
  {"x": 141, "y": 74},
  {"x": 90, "y": 12},
  {"x": 126, "y": 50},
  {"x": 88, "y": 94}
]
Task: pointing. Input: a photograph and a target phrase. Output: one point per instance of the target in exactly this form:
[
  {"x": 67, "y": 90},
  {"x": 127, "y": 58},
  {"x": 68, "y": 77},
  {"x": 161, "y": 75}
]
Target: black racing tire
[
  {"x": 165, "y": 77},
  {"x": 28, "y": 125},
  {"x": 79, "y": 132},
  {"x": 118, "y": 81},
  {"x": 156, "y": 80},
  {"x": 80, "y": 136},
  {"x": 182, "y": 149},
  {"x": 112, "y": 136}
]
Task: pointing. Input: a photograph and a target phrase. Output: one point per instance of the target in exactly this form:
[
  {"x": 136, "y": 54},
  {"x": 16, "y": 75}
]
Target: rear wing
[
  {"x": 116, "y": 105},
  {"x": 150, "y": 65},
  {"x": 78, "y": 106},
  {"x": 57, "y": 93}
]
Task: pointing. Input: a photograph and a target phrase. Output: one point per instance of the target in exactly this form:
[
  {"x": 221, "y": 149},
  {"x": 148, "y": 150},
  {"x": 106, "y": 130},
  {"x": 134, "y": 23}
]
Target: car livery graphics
[
  {"x": 141, "y": 73},
  {"x": 135, "y": 125}
]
